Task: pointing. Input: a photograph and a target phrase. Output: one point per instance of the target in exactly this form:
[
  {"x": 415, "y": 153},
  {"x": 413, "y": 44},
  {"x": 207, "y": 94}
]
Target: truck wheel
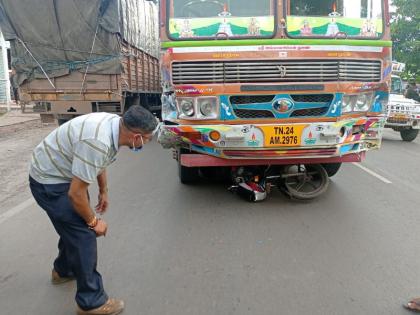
[
  {"x": 216, "y": 174},
  {"x": 187, "y": 175},
  {"x": 409, "y": 134},
  {"x": 304, "y": 182},
  {"x": 331, "y": 168}
]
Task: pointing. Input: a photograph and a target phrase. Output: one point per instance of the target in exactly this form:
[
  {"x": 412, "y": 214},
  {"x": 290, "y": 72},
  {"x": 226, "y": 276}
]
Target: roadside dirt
[{"x": 16, "y": 144}]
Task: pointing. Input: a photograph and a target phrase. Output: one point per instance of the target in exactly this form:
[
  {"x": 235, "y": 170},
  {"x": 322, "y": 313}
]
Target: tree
[{"x": 405, "y": 32}]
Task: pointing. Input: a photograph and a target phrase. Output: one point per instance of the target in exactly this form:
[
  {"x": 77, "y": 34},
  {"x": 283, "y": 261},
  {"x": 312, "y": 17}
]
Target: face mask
[{"x": 137, "y": 149}]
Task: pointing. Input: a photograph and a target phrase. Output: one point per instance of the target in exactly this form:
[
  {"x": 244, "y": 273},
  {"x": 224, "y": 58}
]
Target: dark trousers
[{"x": 77, "y": 250}]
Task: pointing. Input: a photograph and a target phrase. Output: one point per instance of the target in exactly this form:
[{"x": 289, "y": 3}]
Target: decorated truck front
[{"x": 278, "y": 92}]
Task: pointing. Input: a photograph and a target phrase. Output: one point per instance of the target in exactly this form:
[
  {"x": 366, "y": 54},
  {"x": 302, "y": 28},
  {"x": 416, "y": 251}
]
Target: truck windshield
[
  {"x": 396, "y": 85},
  {"x": 199, "y": 19},
  {"x": 344, "y": 18}
]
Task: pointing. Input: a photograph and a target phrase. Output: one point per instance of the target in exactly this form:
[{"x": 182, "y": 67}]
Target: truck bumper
[
  {"x": 203, "y": 160},
  {"x": 393, "y": 122},
  {"x": 275, "y": 142}
]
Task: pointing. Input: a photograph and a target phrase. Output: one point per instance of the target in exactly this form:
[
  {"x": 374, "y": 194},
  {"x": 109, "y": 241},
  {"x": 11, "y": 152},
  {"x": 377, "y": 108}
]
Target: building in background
[{"x": 5, "y": 90}]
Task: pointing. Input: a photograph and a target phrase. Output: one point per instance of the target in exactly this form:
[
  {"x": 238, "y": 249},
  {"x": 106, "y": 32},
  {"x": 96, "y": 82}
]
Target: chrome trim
[{"x": 276, "y": 71}]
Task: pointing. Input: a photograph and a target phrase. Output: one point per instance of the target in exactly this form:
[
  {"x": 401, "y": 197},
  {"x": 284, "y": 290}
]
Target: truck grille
[
  {"x": 393, "y": 120},
  {"x": 310, "y": 112},
  {"x": 312, "y": 98},
  {"x": 252, "y": 113},
  {"x": 275, "y": 71},
  {"x": 399, "y": 109},
  {"x": 251, "y": 99}
]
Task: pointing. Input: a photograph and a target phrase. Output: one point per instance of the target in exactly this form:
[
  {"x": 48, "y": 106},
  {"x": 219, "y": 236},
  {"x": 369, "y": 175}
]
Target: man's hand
[
  {"x": 103, "y": 203},
  {"x": 100, "y": 228}
]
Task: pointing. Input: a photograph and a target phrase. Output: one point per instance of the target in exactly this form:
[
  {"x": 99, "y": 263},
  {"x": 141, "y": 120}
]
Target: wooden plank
[
  {"x": 157, "y": 82},
  {"x": 137, "y": 70},
  {"x": 148, "y": 72},
  {"x": 72, "y": 81},
  {"x": 129, "y": 71},
  {"x": 143, "y": 70}
]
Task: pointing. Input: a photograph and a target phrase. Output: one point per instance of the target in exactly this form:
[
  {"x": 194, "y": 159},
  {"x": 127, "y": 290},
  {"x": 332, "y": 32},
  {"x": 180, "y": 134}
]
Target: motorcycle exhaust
[{"x": 251, "y": 192}]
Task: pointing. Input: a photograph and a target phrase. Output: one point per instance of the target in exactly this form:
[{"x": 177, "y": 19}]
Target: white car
[{"x": 403, "y": 114}]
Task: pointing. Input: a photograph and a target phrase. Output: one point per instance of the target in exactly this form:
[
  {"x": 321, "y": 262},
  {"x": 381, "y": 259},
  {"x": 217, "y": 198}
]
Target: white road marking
[
  {"x": 381, "y": 178},
  {"x": 16, "y": 210}
]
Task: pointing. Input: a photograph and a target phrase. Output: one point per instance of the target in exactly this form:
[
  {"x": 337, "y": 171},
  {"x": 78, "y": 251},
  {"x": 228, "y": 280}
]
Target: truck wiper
[{"x": 341, "y": 35}]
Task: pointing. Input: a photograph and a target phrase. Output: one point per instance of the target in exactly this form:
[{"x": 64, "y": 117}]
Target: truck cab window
[
  {"x": 346, "y": 18},
  {"x": 210, "y": 19}
]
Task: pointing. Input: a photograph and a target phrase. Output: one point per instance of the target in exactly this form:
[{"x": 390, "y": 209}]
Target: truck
[
  {"x": 403, "y": 114},
  {"x": 279, "y": 93},
  {"x": 76, "y": 57}
]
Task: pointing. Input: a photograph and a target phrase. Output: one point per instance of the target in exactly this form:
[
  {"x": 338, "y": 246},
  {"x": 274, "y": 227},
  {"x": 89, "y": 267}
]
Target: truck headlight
[
  {"x": 187, "y": 107},
  {"x": 208, "y": 107},
  {"x": 357, "y": 103},
  {"x": 364, "y": 102},
  {"x": 347, "y": 104}
]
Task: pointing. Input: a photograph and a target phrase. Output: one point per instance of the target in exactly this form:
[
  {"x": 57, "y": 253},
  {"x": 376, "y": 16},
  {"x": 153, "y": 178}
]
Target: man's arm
[
  {"x": 103, "y": 202},
  {"x": 89, "y": 160},
  {"x": 102, "y": 182},
  {"x": 78, "y": 195}
]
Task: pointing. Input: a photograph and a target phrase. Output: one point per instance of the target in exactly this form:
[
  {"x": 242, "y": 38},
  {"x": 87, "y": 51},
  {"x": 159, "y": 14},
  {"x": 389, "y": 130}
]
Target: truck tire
[
  {"x": 331, "y": 168},
  {"x": 216, "y": 174},
  {"x": 409, "y": 134},
  {"x": 187, "y": 175}
]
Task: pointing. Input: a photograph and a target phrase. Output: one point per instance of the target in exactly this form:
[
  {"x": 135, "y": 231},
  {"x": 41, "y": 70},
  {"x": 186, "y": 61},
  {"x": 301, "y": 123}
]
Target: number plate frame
[{"x": 283, "y": 135}]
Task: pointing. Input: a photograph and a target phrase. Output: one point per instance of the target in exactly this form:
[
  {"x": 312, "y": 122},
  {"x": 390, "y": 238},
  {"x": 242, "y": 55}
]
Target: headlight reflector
[
  {"x": 207, "y": 107},
  {"x": 347, "y": 105},
  {"x": 363, "y": 103},
  {"x": 357, "y": 103},
  {"x": 198, "y": 108},
  {"x": 187, "y": 107}
]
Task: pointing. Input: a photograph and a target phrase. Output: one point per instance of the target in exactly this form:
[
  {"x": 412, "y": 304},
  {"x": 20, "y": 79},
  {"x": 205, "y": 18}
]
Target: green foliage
[{"x": 405, "y": 32}]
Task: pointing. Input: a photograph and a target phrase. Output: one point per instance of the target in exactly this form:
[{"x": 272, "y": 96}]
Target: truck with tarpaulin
[{"x": 75, "y": 57}]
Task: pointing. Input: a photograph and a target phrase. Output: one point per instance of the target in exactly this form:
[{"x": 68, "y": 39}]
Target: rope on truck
[
  {"x": 47, "y": 66},
  {"x": 90, "y": 55},
  {"x": 46, "y": 75}
]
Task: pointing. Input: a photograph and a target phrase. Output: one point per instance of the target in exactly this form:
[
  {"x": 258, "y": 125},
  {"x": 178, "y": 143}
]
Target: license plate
[
  {"x": 282, "y": 135},
  {"x": 399, "y": 116}
]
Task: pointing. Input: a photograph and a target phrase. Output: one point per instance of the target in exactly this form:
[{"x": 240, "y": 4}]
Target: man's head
[{"x": 137, "y": 126}]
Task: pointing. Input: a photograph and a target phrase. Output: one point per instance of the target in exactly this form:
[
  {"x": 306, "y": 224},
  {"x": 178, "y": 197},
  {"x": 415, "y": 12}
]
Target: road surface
[{"x": 175, "y": 249}]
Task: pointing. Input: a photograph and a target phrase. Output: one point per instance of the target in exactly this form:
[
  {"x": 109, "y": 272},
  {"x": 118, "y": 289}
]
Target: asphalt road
[{"x": 175, "y": 249}]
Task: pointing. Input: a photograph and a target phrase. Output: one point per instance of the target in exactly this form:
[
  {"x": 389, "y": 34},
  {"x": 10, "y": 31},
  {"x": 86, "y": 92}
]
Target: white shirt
[{"x": 82, "y": 147}]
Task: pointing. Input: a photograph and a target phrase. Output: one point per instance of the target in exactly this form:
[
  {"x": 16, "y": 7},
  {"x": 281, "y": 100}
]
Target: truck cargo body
[
  {"x": 78, "y": 57},
  {"x": 137, "y": 84}
]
